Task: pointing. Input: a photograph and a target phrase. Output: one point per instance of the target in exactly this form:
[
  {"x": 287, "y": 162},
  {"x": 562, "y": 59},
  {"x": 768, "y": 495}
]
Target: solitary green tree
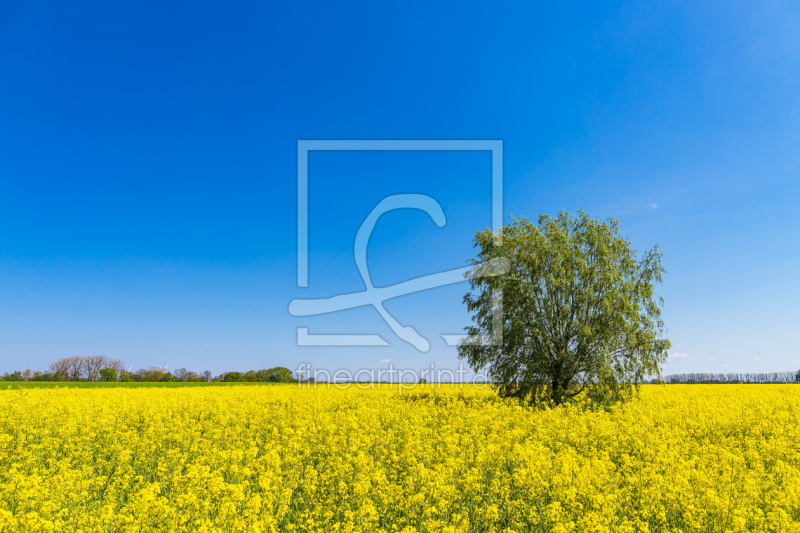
[
  {"x": 108, "y": 374},
  {"x": 280, "y": 374},
  {"x": 576, "y": 308}
]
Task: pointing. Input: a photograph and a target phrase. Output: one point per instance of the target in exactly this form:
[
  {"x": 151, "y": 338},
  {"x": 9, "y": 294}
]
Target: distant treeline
[
  {"x": 102, "y": 368},
  {"x": 735, "y": 377}
]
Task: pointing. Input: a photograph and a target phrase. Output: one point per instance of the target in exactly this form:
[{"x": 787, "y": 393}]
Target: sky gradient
[{"x": 148, "y": 168}]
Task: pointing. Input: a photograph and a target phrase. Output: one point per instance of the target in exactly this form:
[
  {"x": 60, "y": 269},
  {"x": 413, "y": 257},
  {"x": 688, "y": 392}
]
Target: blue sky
[{"x": 148, "y": 167}]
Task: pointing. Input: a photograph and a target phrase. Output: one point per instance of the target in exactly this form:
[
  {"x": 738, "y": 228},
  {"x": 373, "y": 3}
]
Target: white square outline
[{"x": 352, "y": 145}]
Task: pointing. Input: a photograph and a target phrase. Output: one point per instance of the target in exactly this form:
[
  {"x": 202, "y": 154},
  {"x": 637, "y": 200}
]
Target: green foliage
[
  {"x": 122, "y": 384},
  {"x": 147, "y": 375},
  {"x": 277, "y": 374},
  {"x": 280, "y": 374},
  {"x": 128, "y": 377},
  {"x": 578, "y": 311},
  {"x": 797, "y": 377},
  {"x": 232, "y": 376},
  {"x": 108, "y": 374}
]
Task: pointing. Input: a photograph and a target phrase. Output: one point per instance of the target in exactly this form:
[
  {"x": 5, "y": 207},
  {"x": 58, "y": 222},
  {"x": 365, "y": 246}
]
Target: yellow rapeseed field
[{"x": 287, "y": 458}]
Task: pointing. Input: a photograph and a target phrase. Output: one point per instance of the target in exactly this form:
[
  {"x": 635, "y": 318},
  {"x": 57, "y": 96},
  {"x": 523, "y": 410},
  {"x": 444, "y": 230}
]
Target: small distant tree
[
  {"x": 76, "y": 369},
  {"x": 182, "y": 374},
  {"x": 60, "y": 368},
  {"x": 206, "y": 375},
  {"x": 92, "y": 365},
  {"x": 167, "y": 377},
  {"x": 578, "y": 310},
  {"x": 108, "y": 374},
  {"x": 152, "y": 373},
  {"x": 280, "y": 374},
  {"x": 797, "y": 377},
  {"x": 116, "y": 364}
]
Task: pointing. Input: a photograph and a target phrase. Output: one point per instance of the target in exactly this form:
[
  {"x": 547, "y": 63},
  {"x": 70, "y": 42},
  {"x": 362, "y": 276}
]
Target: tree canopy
[{"x": 577, "y": 310}]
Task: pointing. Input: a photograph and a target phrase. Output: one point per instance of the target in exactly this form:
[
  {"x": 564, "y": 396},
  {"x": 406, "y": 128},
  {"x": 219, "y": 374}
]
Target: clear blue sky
[{"x": 148, "y": 164}]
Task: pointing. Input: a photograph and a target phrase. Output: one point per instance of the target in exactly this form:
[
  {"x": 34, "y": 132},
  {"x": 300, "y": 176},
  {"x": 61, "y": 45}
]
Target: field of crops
[{"x": 286, "y": 458}]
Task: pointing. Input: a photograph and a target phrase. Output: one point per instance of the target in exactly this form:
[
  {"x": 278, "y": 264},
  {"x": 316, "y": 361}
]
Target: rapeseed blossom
[{"x": 712, "y": 458}]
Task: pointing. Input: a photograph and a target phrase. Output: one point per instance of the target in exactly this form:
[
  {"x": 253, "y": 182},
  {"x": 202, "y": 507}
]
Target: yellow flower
[{"x": 281, "y": 458}]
